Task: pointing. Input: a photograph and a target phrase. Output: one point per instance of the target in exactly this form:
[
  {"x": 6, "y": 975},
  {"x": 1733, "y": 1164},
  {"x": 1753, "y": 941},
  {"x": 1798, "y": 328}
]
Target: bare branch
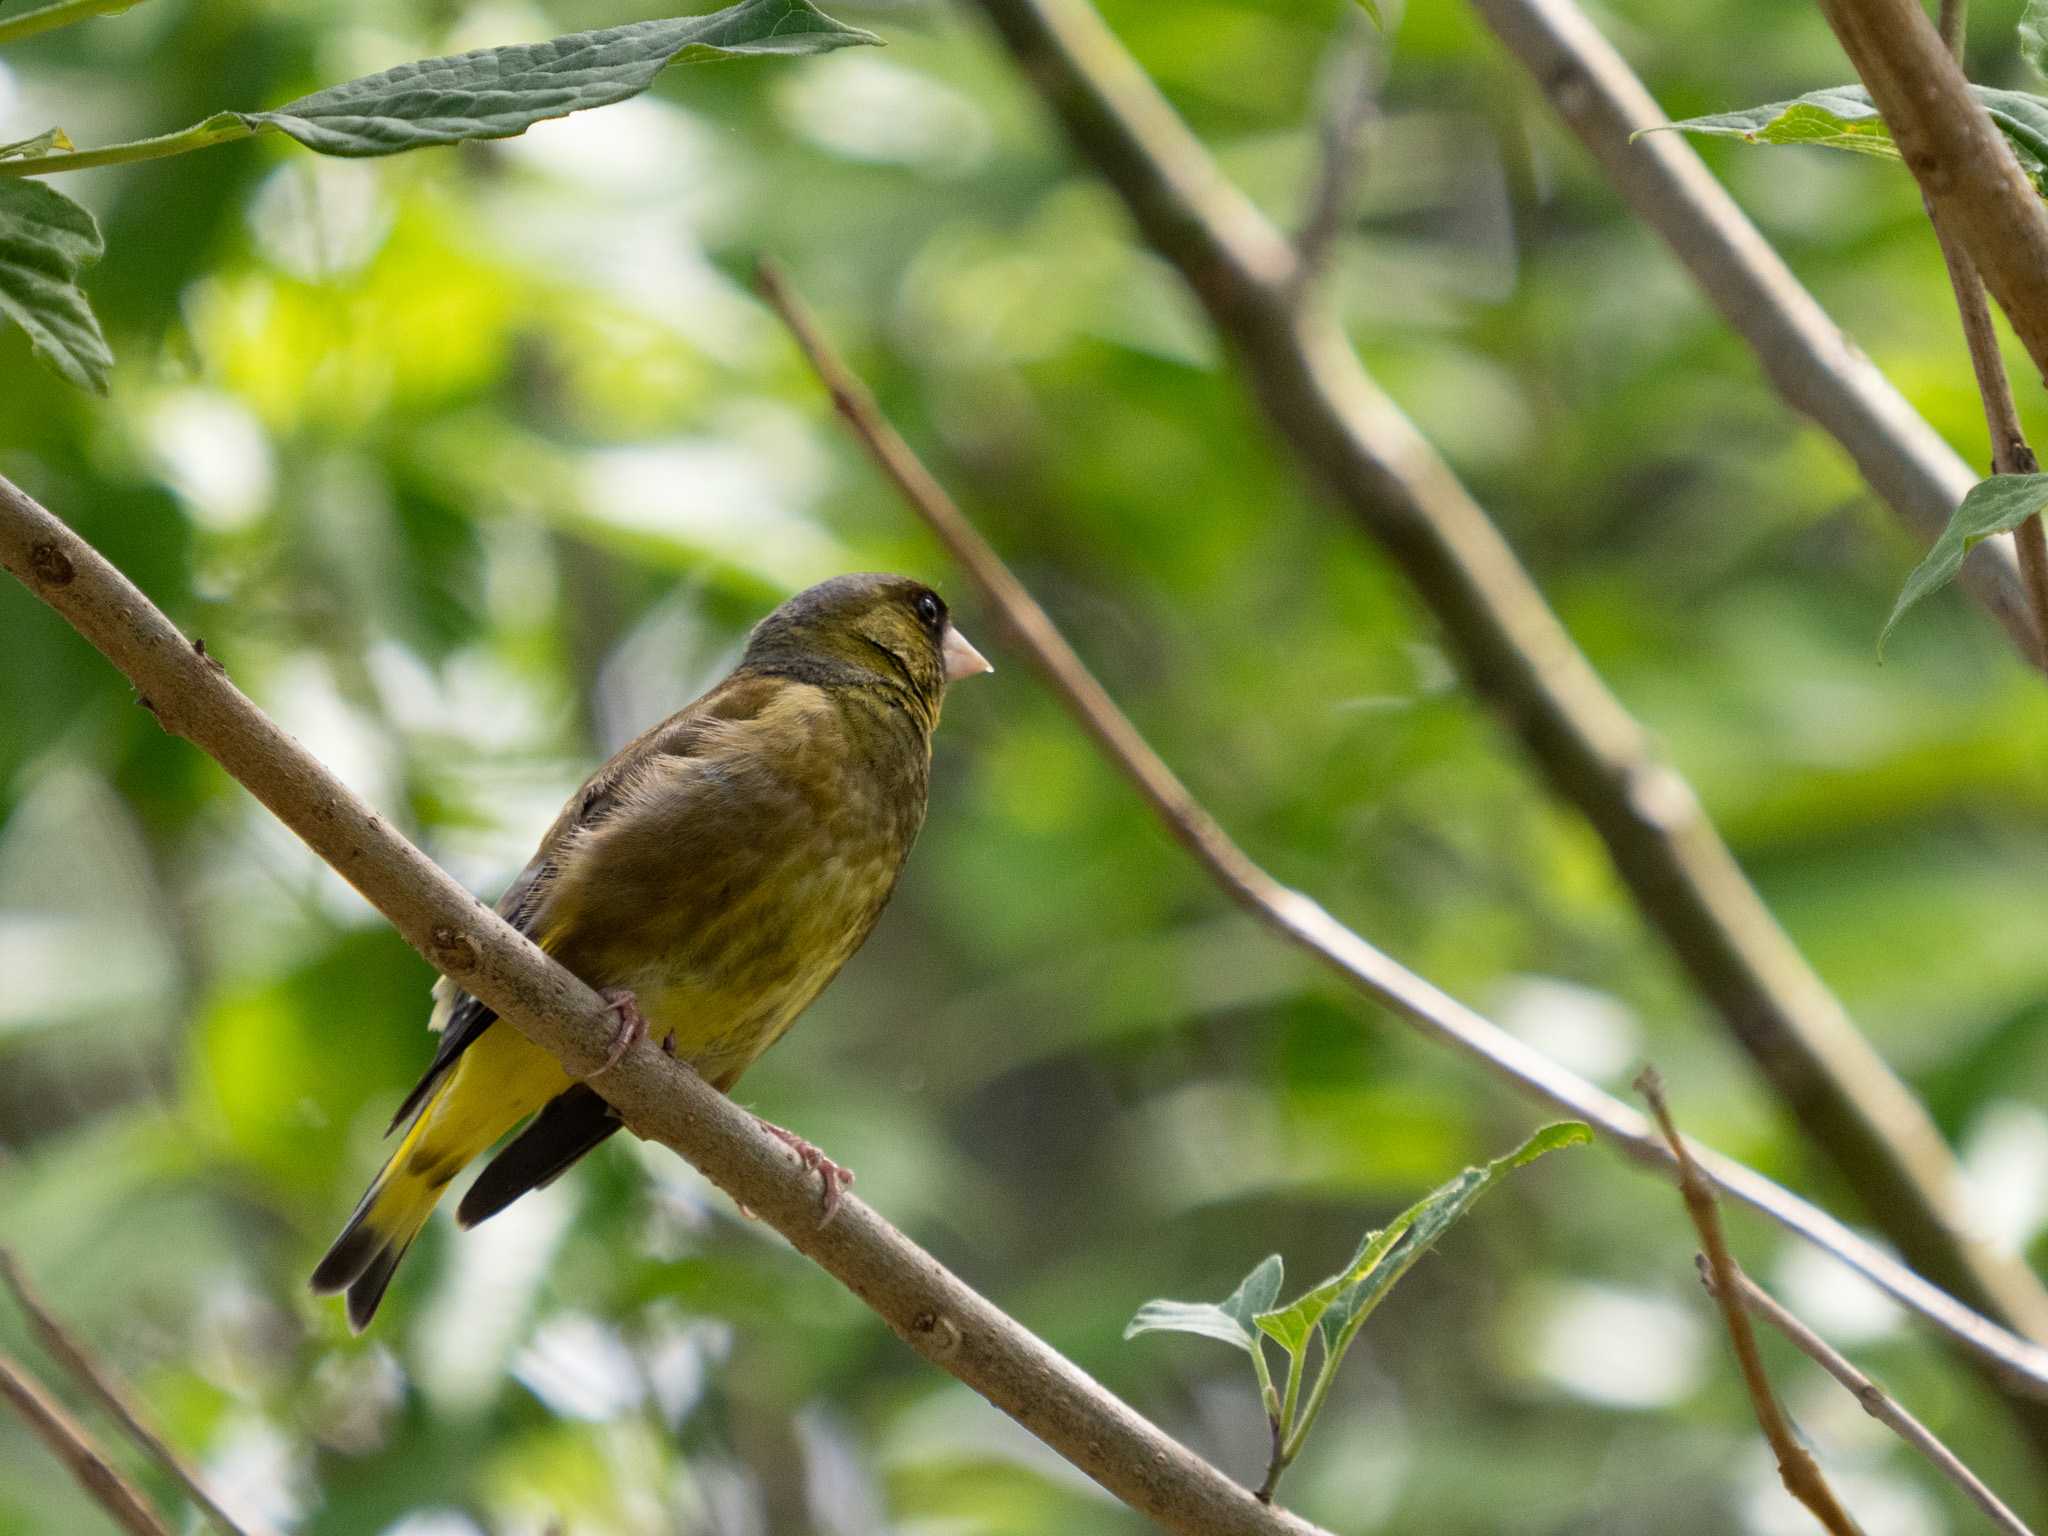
[
  {"x": 1796, "y": 1467},
  {"x": 1348, "y": 107},
  {"x": 1812, "y": 365},
  {"x": 1876, "y": 1402},
  {"x": 1297, "y": 918},
  {"x": 658, "y": 1097},
  {"x": 71, "y": 1445},
  {"x": 102, "y": 1384},
  {"x": 1355, "y": 444}
]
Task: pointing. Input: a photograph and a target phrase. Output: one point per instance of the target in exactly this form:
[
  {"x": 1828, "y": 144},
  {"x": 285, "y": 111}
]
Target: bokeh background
[{"x": 471, "y": 463}]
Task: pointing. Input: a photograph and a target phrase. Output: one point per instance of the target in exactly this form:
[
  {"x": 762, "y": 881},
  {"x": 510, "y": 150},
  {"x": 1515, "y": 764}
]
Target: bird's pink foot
[
  {"x": 831, "y": 1175},
  {"x": 632, "y": 1026}
]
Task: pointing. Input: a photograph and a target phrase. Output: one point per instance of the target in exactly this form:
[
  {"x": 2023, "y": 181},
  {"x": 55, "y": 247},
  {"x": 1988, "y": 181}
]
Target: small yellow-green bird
[{"x": 709, "y": 881}]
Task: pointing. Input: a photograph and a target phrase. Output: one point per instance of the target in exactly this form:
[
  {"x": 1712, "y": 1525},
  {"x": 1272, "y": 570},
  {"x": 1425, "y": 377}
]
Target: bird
[{"x": 708, "y": 881}]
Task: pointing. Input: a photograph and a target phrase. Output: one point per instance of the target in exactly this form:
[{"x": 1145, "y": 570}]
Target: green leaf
[
  {"x": 1417, "y": 1229},
  {"x": 2034, "y": 35},
  {"x": 1231, "y": 1321},
  {"x": 1992, "y": 506},
  {"x": 50, "y": 140},
  {"x": 492, "y": 93},
  {"x": 1379, "y": 22},
  {"x": 1843, "y": 117},
  {"x": 45, "y": 241}
]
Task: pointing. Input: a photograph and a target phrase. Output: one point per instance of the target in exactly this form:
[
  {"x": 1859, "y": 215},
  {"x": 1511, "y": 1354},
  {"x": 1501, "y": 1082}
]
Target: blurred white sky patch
[
  {"x": 2005, "y": 1167},
  {"x": 476, "y": 698},
  {"x": 435, "y": 1522},
  {"x": 679, "y": 1357},
  {"x": 317, "y": 217},
  {"x": 742, "y": 496},
  {"x": 259, "y": 1474},
  {"x": 862, "y": 107},
  {"x": 1594, "y": 1034},
  {"x": 665, "y": 660},
  {"x": 624, "y": 201},
  {"x": 840, "y": 1492},
  {"x": 460, "y": 1341},
  {"x": 1624, "y": 1349},
  {"x": 81, "y": 913},
  {"x": 1830, "y": 1297},
  {"x": 301, "y": 695},
  {"x": 581, "y": 1368},
  {"x": 214, "y": 454}
]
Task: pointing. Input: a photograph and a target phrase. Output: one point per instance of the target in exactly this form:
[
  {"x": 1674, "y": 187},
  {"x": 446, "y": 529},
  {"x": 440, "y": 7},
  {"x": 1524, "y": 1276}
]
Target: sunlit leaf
[
  {"x": 45, "y": 241},
  {"x": 1843, "y": 117},
  {"x": 1379, "y": 22},
  {"x": 2034, "y": 35},
  {"x": 1997, "y": 505},
  {"x": 494, "y": 93},
  {"x": 1230, "y": 1322}
]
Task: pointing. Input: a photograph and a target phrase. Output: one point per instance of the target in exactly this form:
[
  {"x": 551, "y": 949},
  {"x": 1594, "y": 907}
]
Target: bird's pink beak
[{"x": 962, "y": 659}]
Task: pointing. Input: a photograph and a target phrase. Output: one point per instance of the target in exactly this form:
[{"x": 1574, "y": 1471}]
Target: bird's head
[{"x": 892, "y": 628}]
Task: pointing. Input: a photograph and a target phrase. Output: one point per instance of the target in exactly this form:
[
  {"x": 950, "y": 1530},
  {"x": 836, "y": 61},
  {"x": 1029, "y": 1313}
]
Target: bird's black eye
[{"x": 929, "y": 609}]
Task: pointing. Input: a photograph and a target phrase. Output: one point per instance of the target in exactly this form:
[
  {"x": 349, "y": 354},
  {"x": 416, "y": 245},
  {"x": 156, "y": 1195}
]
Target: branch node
[
  {"x": 51, "y": 566},
  {"x": 454, "y": 950}
]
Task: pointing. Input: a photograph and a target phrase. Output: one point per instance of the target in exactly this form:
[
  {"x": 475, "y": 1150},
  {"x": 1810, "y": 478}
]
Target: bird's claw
[
  {"x": 834, "y": 1178},
  {"x": 632, "y": 1026}
]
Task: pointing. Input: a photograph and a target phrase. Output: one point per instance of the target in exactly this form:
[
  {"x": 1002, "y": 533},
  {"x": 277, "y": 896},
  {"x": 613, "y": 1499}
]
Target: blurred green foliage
[{"x": 471, "y": 463}]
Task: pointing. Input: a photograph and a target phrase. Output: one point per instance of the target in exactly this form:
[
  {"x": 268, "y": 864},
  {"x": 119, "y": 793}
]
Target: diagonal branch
[
  {"x": 1355, "y": 444},
  {"x": 83, "y": 1459},
  {"x": 1876, "y": 1402},
  {"x": 662, "y": 1100},
  {"x": 1297, "y": 919},
  {"x": 1797, "y": 1469},
  {"x": 101, "y": 1383},
  {"x": 1812, "y": 365}
]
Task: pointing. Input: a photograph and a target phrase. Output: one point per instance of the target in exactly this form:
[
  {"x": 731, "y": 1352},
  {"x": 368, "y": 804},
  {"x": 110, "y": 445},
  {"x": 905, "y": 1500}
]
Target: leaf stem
[
  {"x": 222, "y": 128},
  {"x": 1296, "y": 1439},
  {"x": 62, "y": 14},
  {"x": 1267, "y": 1395}
]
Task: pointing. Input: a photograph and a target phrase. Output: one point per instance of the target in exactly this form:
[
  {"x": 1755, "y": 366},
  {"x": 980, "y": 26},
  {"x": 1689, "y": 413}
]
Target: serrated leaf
[
  {"x": 1230, "y": 1321},
  {"x": 45, "y": 241},
  {"x": 1202, "y": 1317},
  {"x": 1992, "y": 506},
  {"x": 494, "y": 93},
  {"x": 1843, "y": 117},
  {"x": 491, "y": 93},
  {"x": 49, "y": 141},
  {"x": 2034, "y": 35}
]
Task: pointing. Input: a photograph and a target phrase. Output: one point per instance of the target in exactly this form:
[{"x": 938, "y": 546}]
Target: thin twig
[
  {"x": 112, "y": 1395},
  {"x": 659, "y": 1097},
  {"x": 1811, "y": 364},
  {"x": 1796, "y": 1467},
  {"x": 2010, "y": 454},
  {"x": 1299, "y": 920},
  {"x": 1875, "y": 1400},
  {"x": 1348, "y": 108},
  {"x": 71, "y": 1445}
]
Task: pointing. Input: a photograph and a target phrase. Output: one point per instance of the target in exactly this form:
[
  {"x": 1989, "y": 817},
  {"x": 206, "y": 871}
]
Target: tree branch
[
  {"x": 1811, "y": 364},
  {"x": 102, "y": 1385},
  {"x": 1356, "y": 445},
  {"x": 71, "y": 1445},
  {"x": 2010, "y": 454},
  {"x": 1964, "y": 166},
  {"x": 1340, "y": 133},
  {"x": 1876, "y": 1402},
  {"x": 1298, "y": 920},
  {"x": 1797, "y": 1469},
  {"x": 659, "y": 1098}
]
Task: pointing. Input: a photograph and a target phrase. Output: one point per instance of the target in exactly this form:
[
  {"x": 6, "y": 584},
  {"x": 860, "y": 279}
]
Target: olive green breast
[{"x": 729, "y": 885}]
